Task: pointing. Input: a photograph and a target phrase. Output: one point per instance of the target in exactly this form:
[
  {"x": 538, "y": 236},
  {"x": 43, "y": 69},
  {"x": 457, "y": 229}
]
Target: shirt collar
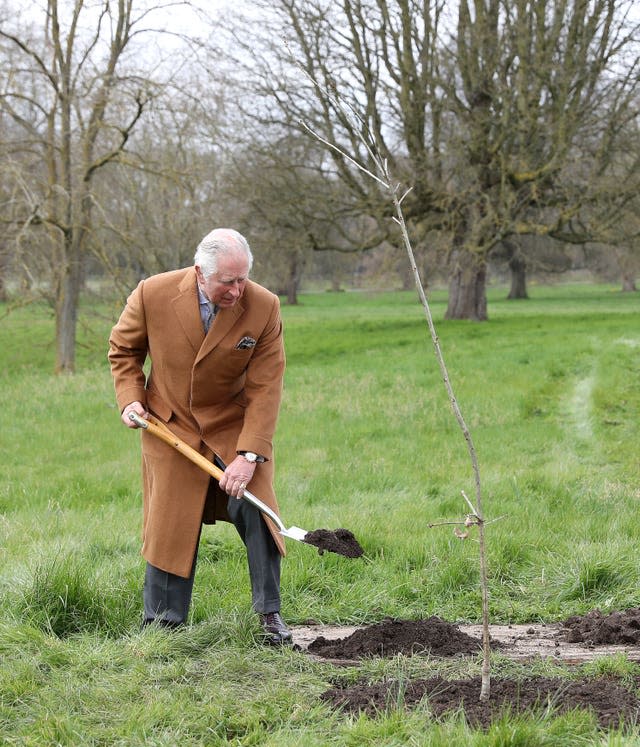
[{"x": 201, "y": 296}]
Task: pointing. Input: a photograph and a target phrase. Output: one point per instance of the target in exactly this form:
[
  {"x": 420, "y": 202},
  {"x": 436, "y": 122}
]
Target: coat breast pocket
[{"x": 231, "y": 364}]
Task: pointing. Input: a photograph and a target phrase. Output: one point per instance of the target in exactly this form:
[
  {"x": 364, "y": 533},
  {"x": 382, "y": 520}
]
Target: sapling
[{"x": 475, "y": 517}]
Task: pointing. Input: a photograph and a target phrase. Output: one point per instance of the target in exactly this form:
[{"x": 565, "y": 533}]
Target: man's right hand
[{"x": 132, "y": 407}]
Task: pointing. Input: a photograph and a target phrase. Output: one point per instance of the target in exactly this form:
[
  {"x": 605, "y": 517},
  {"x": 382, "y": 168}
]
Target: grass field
[{"x": 367, "y": 441}]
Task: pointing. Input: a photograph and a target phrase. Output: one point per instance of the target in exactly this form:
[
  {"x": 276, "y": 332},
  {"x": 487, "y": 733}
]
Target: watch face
[{"x": 250, "y": 456}]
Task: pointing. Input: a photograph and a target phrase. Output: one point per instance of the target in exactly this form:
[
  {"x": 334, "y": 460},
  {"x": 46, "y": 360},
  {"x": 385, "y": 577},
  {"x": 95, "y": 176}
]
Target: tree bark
[
  {"x": 467, "y": 288},
  {"x": 629, "y": 284},
  {"x": 518, "y": 270},
  {"x": 3, "y": 270},
  {"x": 66, "y": 321},
  {"x": 295, "y": 271}
]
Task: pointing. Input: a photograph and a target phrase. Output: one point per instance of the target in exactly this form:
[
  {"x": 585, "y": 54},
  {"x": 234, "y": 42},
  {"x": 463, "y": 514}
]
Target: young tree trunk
[
  {"x": 518, "y": 269},
  {"x": 467, "y": 288}
]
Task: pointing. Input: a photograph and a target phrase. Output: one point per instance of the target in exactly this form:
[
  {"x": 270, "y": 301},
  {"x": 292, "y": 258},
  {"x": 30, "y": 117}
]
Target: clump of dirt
[
  {"x": 340, "y": 541},
  {"x": 391, "y": 636},
  {"x": 599, "y": 629},
  {"x": 611, "y": 702}
]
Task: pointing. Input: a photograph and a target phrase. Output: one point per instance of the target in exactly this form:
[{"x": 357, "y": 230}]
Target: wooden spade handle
[{"x": 159, "y": 429}]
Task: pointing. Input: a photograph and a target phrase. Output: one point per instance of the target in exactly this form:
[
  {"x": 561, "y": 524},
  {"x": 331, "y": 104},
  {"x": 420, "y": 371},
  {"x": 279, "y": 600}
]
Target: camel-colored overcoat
[{"x": 215, "y": 396}]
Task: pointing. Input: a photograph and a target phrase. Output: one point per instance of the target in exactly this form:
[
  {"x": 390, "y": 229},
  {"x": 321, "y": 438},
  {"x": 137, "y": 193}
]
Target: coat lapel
[
  {"x": 187, "y": 309},
  {"x": 222, "y": 324}
]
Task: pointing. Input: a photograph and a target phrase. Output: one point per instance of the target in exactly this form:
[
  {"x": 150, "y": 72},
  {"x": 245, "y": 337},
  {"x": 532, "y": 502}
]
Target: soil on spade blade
[
  {"x": 612, "y": 701},
  {"x": 341, "y": 541}
]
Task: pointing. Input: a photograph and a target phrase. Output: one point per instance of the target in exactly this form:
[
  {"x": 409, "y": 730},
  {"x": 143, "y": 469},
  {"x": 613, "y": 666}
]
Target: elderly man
[{"x": 214, "y": 339}]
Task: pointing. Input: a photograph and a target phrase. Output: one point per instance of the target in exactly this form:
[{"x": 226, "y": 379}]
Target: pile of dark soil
[
  {"x": 598, "y": 629},
  {"x": 390, "y": 637},
  {"x": 340, "y": 541},
  {"x": 611, "y": 702}
]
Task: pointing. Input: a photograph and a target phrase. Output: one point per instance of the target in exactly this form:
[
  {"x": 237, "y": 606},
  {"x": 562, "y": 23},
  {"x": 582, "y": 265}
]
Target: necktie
[{"x": 210, "y": 316}]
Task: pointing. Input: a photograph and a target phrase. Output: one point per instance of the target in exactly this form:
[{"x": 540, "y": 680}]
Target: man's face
[{"x": 227, "y": 285}]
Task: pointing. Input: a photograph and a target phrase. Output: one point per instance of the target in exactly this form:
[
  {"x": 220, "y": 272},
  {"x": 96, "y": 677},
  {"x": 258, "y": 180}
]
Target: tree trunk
[
  {"x": 3, "y": 285},
  {"x": 292, "y": 291},
  {"x": 518, "y": 269},
  {"x": 67, "y": 300},
  {"x": 629, "y": 284},
  {"x": 296, "y": 264},
  {"x": 66, "y": 324},
  {"x": 467, "y": 288}
]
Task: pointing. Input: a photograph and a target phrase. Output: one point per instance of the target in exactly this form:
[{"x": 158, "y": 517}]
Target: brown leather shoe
[{"x": 275, "y": 631}]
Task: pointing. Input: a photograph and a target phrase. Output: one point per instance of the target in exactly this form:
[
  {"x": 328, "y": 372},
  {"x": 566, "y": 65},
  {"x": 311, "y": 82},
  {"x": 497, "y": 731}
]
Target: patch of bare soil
[
  {"x": 577, "y": 639},
  {"x": 612, "y": 703}
]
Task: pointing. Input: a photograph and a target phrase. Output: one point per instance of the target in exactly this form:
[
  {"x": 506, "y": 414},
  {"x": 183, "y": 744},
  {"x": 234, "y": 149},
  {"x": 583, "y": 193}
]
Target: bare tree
[
  {"x": 278, "y": 189},
  {"x": 484, "y": 112},
  {"x": 151, "y": 218},
  {"x": 78, "y": 82},
  {"x": 268, "y": 194}
]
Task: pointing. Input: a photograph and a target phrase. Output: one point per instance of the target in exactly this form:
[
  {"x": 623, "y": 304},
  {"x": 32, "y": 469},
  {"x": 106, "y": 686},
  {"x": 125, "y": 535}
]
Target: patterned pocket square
[{"x": 245, "y": 342}]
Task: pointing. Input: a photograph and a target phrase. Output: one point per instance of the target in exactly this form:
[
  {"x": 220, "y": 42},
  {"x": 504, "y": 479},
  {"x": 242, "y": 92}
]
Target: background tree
[
  {"x": 271, "y": 191},
  {"x": 486, "y": 128},
  {"x": 78, "y": 82},
  {"x": 278, "y": 191},
  {"x": 154, "y": 209}
]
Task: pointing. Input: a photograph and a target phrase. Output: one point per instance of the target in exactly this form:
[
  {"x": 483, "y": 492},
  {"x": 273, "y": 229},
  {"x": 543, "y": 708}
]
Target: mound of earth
[
  {"x": 391, "y": 636},
  {"x": 597, "y": 629},
  {"x": 612, "y": 703}
]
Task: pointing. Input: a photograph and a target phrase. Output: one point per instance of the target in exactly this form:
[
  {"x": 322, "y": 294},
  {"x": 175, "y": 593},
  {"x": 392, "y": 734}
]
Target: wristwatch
[{"x": 251, "y": 456}]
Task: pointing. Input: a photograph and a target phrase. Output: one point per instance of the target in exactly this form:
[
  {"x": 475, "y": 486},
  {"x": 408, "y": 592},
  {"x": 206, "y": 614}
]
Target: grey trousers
[{"x": 167, "y": 597}]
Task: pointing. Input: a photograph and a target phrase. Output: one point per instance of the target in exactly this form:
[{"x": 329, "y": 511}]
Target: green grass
[{"x": 366, "y": 441}]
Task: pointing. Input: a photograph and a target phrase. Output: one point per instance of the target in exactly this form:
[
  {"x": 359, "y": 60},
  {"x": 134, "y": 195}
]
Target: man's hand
[
  {"x": 237, "y": 476},
  {"x": 132, "y": 407}
]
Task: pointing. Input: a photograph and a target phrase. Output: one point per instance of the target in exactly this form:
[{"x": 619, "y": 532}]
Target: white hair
[{"x": 217, "y": 243}]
